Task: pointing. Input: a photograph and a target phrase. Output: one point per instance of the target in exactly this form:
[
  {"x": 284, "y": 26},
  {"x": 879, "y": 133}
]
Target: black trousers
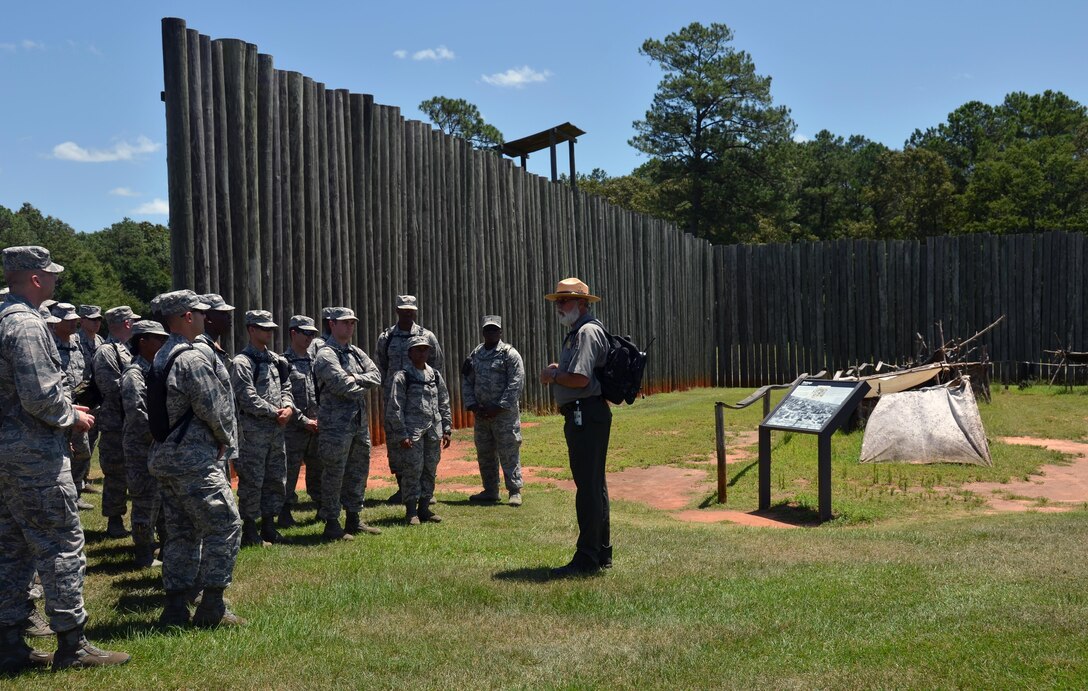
[{"x": 587, "y": 447}]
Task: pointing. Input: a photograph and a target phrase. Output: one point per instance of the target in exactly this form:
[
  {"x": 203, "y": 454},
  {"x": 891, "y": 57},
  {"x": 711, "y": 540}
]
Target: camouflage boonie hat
[
  {"x": 146, "y": 327},
  {"x": 418, "y": 341},
  {"x": 215, "y": 301},
  {"x": 116, "y": 315},
  {"x": 302, "y": 323},
  {"x": 29, "y": 257},
  {"x": 341, "y": 313},
  {"x": 407, "y": 302},
  {"x": 64, "y": 311},
  {"x": 492, "y": 320},
  {"x": 260, "y": 318},
  {"x": 90, "y": 311},
  {"x": 179, "y": 302}
]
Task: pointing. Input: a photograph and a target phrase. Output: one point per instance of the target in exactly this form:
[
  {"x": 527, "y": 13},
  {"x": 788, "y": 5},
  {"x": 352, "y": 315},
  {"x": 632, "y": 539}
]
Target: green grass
[{"x": 903, "y": 589}]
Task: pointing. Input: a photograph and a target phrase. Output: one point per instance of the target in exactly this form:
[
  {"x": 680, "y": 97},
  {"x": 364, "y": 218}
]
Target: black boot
[
  {"x": 16, "y": 655},
  {"x": 411, "y": 516},
  {"x": 395, "y": 498},
  {"x": 115, "y": 527},
  {"x": 286, "y": 520},
  {"x": 176, "y": 611},
  {"x": 604, "y": 557},
  {"x": 213, "y": 611},
  {"x": 353, "y": 526},
  {"x": 268, "y": 529},
  {"x": 333, "y": 531},
  {"x": 251, "y": 534},
  {"x": 425, "y": 513},
  {"x": 74, "y": 650}
]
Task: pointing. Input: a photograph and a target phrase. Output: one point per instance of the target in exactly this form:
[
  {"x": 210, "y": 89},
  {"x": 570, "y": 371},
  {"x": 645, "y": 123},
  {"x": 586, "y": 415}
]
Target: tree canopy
[{"x": 458, "y": 117}]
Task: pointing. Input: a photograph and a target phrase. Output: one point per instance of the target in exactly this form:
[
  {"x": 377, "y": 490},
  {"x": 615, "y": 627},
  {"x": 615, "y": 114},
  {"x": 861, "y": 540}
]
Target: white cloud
[
  {"x": 121, "y": 151},
  {"x": 155, "y": 207},
  {"x": 439, "y": 53},
  {"x": 400, "y": 54},
  {"x": 27, "y": 44},
  {"x": 800, "y": 138},
  {"x": 123, "y": 192},
  {"x": 516, "y": 77}
]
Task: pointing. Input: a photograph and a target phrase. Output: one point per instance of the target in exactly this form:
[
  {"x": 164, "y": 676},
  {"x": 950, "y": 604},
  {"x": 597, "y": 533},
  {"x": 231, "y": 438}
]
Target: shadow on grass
[
  {"x": 137, "y": 603},
  {"x": 142, "y": 581},
  {"x": 791, "y": 513},
  {"x": 107, "y": 632},
  {"x": 528, "y": 574}
]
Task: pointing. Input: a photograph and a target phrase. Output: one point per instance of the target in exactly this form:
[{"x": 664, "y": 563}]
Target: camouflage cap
[
  {"x": 260, "y": 318},
  {"x": 116, "y": 315},
  {"x": 407, "y": 302},
  {"x": 30, "y": 257},
  {"x": 147, "y": 326},
  {"x": 341, "y": 313},
  {"x": 419, "y": 340},
  {"x": 326, "y": 312},
  {"x": 215, "y": 301},
  {"x": 90, "y": 311},
  {"x": 302, "y": 323},
  {"x": 5, "y": 290},
  {"x": 180, "y": 302},
  {"x": 492, "y": 320},
  {"x": 64, "y": 311},
  {"x": 47, "y": 304},
  {"x": 48, "y": 316}
]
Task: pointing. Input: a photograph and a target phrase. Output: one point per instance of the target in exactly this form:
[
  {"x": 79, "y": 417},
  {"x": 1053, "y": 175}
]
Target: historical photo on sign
[{"x": 810, "y": 406}]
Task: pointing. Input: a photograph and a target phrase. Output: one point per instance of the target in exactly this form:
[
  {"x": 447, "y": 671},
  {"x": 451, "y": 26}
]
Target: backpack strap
[{"x": 184, "y": 420}]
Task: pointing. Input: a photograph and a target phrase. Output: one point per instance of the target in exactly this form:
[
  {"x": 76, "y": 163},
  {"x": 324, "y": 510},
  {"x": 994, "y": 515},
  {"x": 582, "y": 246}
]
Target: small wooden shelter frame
[{"x": 547, "y": 139}]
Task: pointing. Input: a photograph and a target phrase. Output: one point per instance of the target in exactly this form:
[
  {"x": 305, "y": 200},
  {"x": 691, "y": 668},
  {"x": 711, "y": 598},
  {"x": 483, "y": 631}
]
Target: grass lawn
[{"x": 913, "y": 585}]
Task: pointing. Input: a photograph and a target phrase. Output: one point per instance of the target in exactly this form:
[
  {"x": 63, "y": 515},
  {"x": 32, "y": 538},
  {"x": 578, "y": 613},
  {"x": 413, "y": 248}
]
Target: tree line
[
  {"x": 724, "y": 165},
  {"x": 127, "y": 263}
]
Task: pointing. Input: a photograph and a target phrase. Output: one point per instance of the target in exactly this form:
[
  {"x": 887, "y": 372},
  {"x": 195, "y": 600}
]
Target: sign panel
[{"x": 813, "y": 405}]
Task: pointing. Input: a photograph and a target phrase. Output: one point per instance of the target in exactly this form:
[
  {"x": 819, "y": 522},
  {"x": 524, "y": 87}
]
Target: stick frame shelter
[{"x": 547, "y": 139}]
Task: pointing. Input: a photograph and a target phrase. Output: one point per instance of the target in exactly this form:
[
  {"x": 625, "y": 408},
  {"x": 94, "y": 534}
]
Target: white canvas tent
[{"x": 933, "y": 425}]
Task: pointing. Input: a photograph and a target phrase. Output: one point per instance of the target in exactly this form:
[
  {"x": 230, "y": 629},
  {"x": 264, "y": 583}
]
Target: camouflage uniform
[
  {"x": 110, "y": 360},
  {"x": 392, "y": 357},
  {"x": 203, "y": 528},
  {"x": 223, "y": 365},
  {"x": 496, "y": 377},
  {"x": 300, "y": 443},
  {"x": 142, "y": 486},
  {"x": 89, "y": 346},
  {"x": 418, "y": 409},
  {"x": 76, "y": 372},
  {"x": 39, "y": 522},
  {"x": 343, "y": 374},
  {"x": 262, "y": 463}
]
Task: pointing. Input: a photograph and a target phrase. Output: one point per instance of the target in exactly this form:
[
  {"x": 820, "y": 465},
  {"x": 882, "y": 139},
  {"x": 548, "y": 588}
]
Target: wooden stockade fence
[
  {"x": 804, "y": 307},
  {"x": 288, "y": 196}
]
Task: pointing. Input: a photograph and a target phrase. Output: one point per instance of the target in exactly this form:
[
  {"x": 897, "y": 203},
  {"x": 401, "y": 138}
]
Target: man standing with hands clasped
[{"x": 588, "y": 421}]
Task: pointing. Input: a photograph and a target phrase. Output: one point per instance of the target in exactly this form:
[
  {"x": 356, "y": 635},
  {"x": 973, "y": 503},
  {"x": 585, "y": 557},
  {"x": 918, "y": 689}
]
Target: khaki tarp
[{"x": 933, "y": 425}]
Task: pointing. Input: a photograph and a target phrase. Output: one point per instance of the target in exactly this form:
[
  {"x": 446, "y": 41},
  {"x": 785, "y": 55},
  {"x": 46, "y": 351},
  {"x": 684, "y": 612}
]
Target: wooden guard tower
[{"x": 547, "y": 139}]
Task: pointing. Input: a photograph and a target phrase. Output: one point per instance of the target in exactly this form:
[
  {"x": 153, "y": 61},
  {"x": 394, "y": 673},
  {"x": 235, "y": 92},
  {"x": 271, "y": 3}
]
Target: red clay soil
[{"x": 1064, "y": 486}]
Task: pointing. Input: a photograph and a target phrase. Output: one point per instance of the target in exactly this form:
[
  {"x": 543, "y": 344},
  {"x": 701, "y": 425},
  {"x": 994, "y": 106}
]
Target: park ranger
[
  {"x": 391, "y": 354},
  {"x": 344, "y": 376},
  {"x": 300, "y": 436},
  {"x": 203, "y": 529},
  {"x": 110, "y": 360},
  {"x": 147, "y": 337},
  {"x": 64, "y": 320},
  {"x": 492, "y": 379},
  {"x": 265, "y": 405},
  {"x": 419, "y": 417},
  {"x": 39, "y": 522}
]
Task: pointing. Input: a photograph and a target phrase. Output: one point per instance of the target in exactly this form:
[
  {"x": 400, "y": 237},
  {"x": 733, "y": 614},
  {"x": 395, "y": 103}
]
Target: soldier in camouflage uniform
[
  {"x": 491, "y": 382},
  {"x": 90, "y": 323},
  {"x": 63, "y": 320},
  {"x": 110, "y": 360},
  {"x": 265, "y": 405},
  {"x": 147, "y": 338},
  {"x": 344, "y": 376},
  {"x": 39, "y": 522},
  {"x": 217, "y": 324},
  {"x": 419, "y": 416},
  {"x": 300, "y": 437},
  {"x": 326, "y": 335},
  {"x": 203, "y": 528},
  {"x": 391, "y": 354}
]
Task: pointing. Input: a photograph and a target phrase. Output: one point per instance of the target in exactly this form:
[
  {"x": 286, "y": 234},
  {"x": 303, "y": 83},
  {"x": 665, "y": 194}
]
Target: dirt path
[{"x": 1063, "y": 486}]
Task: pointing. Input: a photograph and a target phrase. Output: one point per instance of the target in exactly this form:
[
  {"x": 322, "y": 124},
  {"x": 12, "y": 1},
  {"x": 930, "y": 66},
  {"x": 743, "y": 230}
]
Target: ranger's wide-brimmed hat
[{"x": 572, "y": 288}]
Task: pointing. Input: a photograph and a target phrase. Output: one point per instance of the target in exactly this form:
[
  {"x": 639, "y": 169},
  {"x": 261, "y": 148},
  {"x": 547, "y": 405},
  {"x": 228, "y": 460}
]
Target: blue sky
[{"x": 82, "y": 129}]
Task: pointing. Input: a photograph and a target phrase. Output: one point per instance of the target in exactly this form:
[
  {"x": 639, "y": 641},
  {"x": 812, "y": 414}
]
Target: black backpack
[
  {"x": 158, "y": 418},
  {"x": 624, "y": 365}
]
